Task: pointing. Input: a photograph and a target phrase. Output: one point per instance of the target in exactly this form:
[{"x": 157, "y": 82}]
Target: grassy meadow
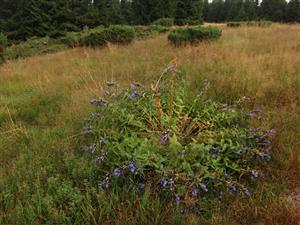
[{"x": 44, "y": 99}]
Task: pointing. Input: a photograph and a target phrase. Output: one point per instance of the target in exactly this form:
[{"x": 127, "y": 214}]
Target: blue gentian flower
[
  {"x": 164, "y": 139},
  {"x": 164, "y": 182},
  {"x": 135, "y": 94},
  {"x": 255, "y": 112},
  {"x": 203, "y": 187},
  {"x": 177, "y": 199},
  {"x": 171, "y": 182},
  {"x": 99, "y": 102},
  {"x": 194, "y": 192},
  {"x": 247, "y": 192},
  {"x": 117, "y": 172},
  {"x": 133, "y": 168},
  {"x": 232, "y": 189},
  {"x": 140, "y": 186},
  {"x": 105, "y": 183},
  {"x": 271, "y": 132}
]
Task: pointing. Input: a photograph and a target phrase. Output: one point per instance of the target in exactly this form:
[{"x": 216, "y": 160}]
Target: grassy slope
[{"x": 44, "y": 99}]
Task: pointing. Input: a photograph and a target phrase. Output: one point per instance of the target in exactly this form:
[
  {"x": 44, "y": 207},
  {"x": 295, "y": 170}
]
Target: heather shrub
[
  {"x": 146, "y": 31},
  {"x": 260, "y": 23},
  {"x": 180, "y": 145},
  {"x": 167, "y": 22},
  {"x": 182, "y": 36},
  {"x": 120, "y": 34},
  {"x": 234, "y": 24},
  {"x": 34, "y": 46},
  {"x": 94, "y": 39}
]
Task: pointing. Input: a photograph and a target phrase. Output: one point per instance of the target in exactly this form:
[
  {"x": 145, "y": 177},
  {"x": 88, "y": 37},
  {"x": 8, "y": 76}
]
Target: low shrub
[
  {"x": 260, "y": 23},
  {"x": 234, "y": 24},
  {"x": 146, "y": 31},
  {"x": 98, "y": 38},
  {"x": 71, "y": 39},
  {"x": 166, "y": 22},
  {"x": 182, "y": 36},
  {"x": 34, "y": 46},
  {"x": 188, "y": 21},
  {"x": 3, "y": 44},
  {"x": 120, "y": 34},
  {"x": 171, "y": 142}
]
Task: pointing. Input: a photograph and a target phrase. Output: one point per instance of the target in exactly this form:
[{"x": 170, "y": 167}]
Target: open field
[{"x": 44, "y": 99}]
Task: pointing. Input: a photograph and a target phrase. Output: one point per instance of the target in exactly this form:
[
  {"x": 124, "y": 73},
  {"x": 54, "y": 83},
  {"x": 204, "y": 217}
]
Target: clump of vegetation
[
  {"x": 146, "y": 31},
  {"x": 97, "y": 38},
  {"x": 234, "y": 24},
  {"x": 261, "y": 23},
  {"x": 191, "y": 35},
  {"x": 34, "y": 46},
  {"x": 116, "y": 34},
  {"x": 120, "y": 34},
  {"x": 167, "y": 22},
  {"x": 3, "y": 43},
  {"x": 181, "y": 146}
]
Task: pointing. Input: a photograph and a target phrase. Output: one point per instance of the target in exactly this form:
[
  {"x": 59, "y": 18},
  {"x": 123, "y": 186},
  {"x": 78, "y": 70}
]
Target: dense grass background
[{"x": 43, "y": 101}]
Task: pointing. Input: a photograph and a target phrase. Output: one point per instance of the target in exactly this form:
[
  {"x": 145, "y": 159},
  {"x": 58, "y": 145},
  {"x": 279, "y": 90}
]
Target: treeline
[
  {"x": 20, "y": 19},
  {"x": 248, "y": 10}
]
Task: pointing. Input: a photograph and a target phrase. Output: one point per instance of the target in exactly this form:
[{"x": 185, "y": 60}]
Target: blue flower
[
  {"x": 177, "y": 199},
  {"x": 255, "y": 112},
  {"x": 215, "y": 152},
  {"x": 164, "y": 182},
  {"x": 105, "y": 183},
  {"x": 164, "y": 139},
  {"x": 117, "y": 172},
  {"x": 203, "y": 187},
  {"x": 133, "y": 168},
  {"x": 87, "y": 130},
  {"x": 247, "y": 192},
  {"x": 140, "y": 187},
  {"x": 194, "y": 192},
  {"x": 271, "y": 132},
  {"x": 99, "y": 102},
  {"x": 254, "y": 174},
  {"x": 135, "y": 94},
  {"x": 232, "y": 189},
  {"x": 171, "y": 182}
]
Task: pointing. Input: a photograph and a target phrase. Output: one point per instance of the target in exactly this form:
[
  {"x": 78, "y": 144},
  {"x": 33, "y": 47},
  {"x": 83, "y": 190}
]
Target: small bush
[
  {"x": 234, "y": 24},
  {"x": 171, "y": 142},
  {"x": 3, "y": 44},
  {"x": 189, "y": 21},
  {"x": 34, "y": 46},
  {"x": 71, "y": 39},
  {"x": 182, "y": 36},
  {"x": 260, "y": 23},
  {"x": 94, "y": 39},
  {"x": 119, "y": 34},
  {"x": 167, "y": 22}
]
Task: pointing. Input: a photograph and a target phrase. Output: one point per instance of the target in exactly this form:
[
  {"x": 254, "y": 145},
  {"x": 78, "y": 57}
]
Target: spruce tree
[{"x": 293, "y": 11}]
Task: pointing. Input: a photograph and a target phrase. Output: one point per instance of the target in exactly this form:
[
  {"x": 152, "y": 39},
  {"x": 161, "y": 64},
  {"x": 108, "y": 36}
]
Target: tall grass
[{"x": 44, "y": 100}]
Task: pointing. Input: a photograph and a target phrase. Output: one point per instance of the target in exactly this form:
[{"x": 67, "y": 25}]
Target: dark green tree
[
  {"x": 293, "y": 11},
  {"x": 274, "y": 10}
]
